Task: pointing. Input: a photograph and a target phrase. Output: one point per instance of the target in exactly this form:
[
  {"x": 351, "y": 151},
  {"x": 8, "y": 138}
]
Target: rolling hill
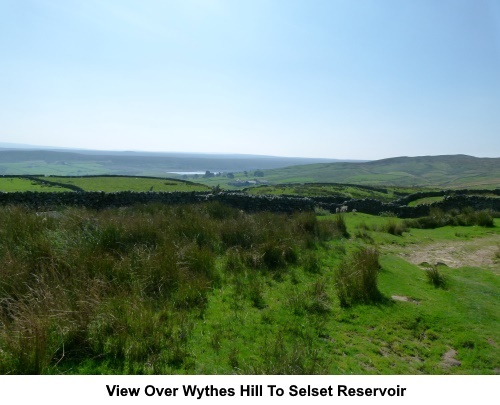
[
  {"x": 22, "y": 161},
  {"x": 446, "y": 171}
]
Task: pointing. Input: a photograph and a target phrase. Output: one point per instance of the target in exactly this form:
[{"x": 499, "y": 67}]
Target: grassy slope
[
  {"x": 457, "y": 171},
  {"x": 291, "y": 321},
  {"x": 392, "y": 337}
]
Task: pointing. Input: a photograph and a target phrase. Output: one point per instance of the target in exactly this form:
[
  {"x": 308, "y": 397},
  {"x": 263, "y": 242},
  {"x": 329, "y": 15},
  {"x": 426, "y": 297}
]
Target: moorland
[{"x": 208, "y": 288}]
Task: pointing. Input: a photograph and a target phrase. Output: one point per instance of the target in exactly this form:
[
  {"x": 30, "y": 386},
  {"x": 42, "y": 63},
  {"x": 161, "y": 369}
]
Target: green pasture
[
  {"x": 10, "y": 184},
  {"x": 54, "y": 169},
  {"x": 427, "y": 200},
  {"x": 112, "y": 184},
  {"x": 342, "y": 190}
]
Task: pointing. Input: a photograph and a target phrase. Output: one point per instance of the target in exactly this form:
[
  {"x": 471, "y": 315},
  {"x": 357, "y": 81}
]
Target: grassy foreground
[{"x": 206, "y": 289}]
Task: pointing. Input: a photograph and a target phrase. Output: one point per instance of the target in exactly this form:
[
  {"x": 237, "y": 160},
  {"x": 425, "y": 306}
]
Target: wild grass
[
  {"x": 125, "y": 285},
  {"x": 435, "y": 277},
  {"x": 206, "y": 289},
  {"x": 356, "y": 277},
  {"x": 396, "y": 228},
  {"x": 465, "y": 217}
]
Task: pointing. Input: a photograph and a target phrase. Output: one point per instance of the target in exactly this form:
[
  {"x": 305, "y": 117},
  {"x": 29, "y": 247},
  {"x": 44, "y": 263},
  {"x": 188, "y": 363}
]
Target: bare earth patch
[
  {"x": 404, "y": 299},
  {"x": 479, "y": 252},
  {"x": 449, "y": 360}
]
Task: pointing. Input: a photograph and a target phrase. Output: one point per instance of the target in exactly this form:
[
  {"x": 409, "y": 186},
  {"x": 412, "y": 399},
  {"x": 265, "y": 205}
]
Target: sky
[{"x": 366, "y": 79}]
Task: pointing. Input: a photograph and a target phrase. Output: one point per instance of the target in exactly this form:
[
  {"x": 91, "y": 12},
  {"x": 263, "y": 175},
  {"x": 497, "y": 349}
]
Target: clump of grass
[
  {"x": 311, "y": 263},
  {"x": 320, "y": 300},
  {"x": 363, "y": 226},
  {"x": 364, "y": 236},
  {"x": 340, "y": 225},
  {"x": 466, "y": 217},
  {"x": 356, "y": 277},
  {"x": 256, "y": 293},
  {"x": 321, "y": 211},
  {"x": 395, "y": 227},
  {"x": 278, "y": 254},
  {"x": 435, "y": 277}
]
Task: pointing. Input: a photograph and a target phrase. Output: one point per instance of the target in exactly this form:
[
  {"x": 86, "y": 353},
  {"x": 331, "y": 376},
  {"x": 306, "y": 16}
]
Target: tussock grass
[
  {"x": 206, "y": 289},
  {"x": 125, "y": 285},
  {"x": 356, "y": 277},
  {"x": 466, "y": 217},
  {"x": 395, "y": 228},
  {"x": 435, "y": 277}
]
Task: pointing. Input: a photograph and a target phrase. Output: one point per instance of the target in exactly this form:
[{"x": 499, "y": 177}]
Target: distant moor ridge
[{"x": 446, "y": 171}]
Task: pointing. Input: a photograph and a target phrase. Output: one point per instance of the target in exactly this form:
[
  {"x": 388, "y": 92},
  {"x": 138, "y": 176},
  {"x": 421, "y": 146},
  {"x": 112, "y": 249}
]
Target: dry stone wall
[
  {"x": 246, "y": 202},
  {"x": 100, "y": 200}
]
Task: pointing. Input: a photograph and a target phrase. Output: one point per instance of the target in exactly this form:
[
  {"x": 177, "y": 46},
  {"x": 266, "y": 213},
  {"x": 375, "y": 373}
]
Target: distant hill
[
  {"x": 446, "y": 171},
  {"x": 30, "y": 160}
]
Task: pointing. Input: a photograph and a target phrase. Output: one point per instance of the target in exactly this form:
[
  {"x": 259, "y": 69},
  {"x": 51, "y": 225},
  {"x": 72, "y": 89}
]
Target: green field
[
  {"x": 207, "y": 289},
  {"x": 427, "y": 200},
  {"x": 112, "y": 184},
  {"x": 97, "y": 183},
  {"x": 13, "y": 184},
  {"x": 385, "y": 194}
]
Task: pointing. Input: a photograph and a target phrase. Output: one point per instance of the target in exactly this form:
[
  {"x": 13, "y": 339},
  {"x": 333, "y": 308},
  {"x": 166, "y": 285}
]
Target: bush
[
  {"x": 356, "y": 277},
  {"x": 484, "y": 218}
]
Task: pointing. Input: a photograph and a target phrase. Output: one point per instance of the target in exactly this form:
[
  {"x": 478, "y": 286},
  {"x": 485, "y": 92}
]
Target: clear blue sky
[{"x": 363, "y": 79}]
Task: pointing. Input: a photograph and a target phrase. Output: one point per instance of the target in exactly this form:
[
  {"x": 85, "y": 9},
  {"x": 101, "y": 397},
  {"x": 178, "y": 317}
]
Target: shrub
[
  {"x": 356, "y": 277},
  {"x": 484, "y": 218}
]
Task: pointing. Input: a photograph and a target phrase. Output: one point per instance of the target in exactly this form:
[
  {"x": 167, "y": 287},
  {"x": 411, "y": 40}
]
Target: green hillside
[{"x": 448, "y": 171}]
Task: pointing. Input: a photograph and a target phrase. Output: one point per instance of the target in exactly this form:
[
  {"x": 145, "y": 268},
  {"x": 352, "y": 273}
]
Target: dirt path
[{"x": 478, "y": 252}]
